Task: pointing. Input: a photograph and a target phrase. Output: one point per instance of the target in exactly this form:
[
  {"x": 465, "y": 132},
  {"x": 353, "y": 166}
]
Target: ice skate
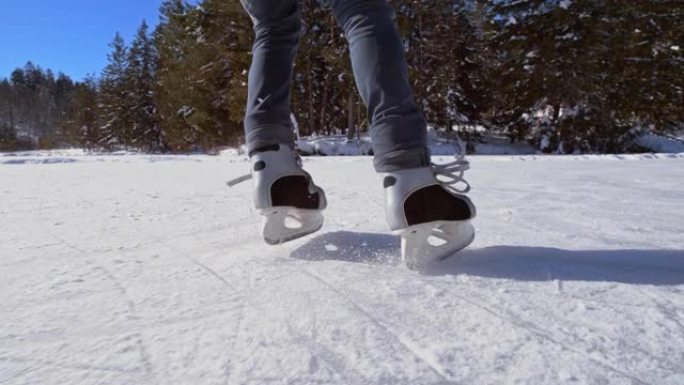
[
  {"x": 285, "y": 195},
  {"x": 428, "y": 208}
]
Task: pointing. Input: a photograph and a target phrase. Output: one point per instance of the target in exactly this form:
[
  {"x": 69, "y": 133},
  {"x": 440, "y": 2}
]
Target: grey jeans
[{"x": 398, "y": 128}]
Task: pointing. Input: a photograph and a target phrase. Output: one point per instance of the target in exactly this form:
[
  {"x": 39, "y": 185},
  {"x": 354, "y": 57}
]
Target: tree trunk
[
  {"x": 351, "y": 127},
  {"x": 358, "y": 119},
  {"x": 310, "y": 113},
  {"x": 324, "y": 102}
]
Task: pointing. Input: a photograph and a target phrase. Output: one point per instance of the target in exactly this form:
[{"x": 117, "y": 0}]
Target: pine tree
[
  {"x": 114, "y": 106},
  {"x": 80, "y": 120},
  {"x": 581, "y": 75},
  {"x": 202, "y": 73},
  {"x": 32, "y": 102},
  {"x": 140, "y": 84},
  {"x": 8, "y": 137},
  {"x": 224, "y": 46},
  {"x": 7, "y": 106},
  {"x": 324, "y": 95},
  {"x": 171, "y": 40}
]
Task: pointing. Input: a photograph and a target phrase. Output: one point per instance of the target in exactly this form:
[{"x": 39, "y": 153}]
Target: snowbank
[
  {"x": 334, "y": 145},
  {"x": 340, "y": 145},
  {"x": 661, "y": 144}
]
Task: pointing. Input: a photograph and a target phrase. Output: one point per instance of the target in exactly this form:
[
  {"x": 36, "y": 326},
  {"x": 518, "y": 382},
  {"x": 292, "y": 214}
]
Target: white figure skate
[
  {"x": 285, "y": 195},
  {"x": 428, "y": 208}
]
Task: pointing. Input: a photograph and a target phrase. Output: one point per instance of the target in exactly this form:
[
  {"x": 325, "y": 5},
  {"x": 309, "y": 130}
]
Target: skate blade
[
  {"x": 431, "y": 242},
  {"x": 284, "y": 224}
]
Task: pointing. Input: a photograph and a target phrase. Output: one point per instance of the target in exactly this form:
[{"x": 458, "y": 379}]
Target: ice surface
[{"x": 137, "y": 269}]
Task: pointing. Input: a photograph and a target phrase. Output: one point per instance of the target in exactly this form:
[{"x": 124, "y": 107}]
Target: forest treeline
[{"x": 568, "y": 76}]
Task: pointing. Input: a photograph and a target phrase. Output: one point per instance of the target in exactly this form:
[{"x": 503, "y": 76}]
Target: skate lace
[{"x": 451, "y": 174}]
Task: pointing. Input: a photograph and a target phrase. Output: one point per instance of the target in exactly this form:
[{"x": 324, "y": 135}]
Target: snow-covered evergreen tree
[
  {"x": 8, "y": 137},
  {"x": 202, "y": 73},
  {"x": 140, "y": 83},
  {"x": 32, "y": 102},
  {"x": 80, "y": 119},
  {"x": 114, "y": 107}
]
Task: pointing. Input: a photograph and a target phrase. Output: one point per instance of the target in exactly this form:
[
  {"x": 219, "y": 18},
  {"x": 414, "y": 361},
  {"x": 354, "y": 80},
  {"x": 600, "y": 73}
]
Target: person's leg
[
  {"x": 398, "y": 128},
  {"x": 277, "y": 26},
  {"x": 283, "y": 191},
  {"x": 416, "y": 203}
]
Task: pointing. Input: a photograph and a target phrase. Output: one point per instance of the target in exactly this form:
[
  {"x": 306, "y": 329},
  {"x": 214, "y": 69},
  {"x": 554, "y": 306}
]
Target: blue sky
[{"x": 70, "y": 36}]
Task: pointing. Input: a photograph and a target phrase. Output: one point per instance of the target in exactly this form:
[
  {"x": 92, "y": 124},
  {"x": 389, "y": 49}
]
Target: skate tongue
[{"x": 238, "y": 180}]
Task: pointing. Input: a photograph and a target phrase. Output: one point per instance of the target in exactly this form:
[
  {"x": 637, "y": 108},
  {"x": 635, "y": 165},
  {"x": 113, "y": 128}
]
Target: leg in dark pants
[
  {"x": 398, "y": 128},
  {"x": 277, "y": 26}
]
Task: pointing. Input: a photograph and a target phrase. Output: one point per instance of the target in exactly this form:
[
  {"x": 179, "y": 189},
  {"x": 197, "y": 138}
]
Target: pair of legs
[
  {"x": 417, "y": 204},
  {"x": 398, "y": 128}
]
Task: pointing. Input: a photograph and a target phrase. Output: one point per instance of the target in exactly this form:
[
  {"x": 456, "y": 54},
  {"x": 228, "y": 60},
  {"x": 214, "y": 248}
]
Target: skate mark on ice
[
  {"x": 26, "y": 260},
  {"x": 212, "y": 272},
  {"x": 111, "y": 332},
  {"x": 18, "y": 375},
  {"x": 244, "y": 303},
  {"x": 474, "y": 298},
  {"x": 541, "y": 312},
  {"x": 134, "y": 314},
  {"x": 634, "y": 346},
  {"x": 408, "y": 345},
  {"x": 144, "y": 361},
  {"x": 667, "y": 307},
  {"x": 41, "y": 246},
  {"x": 181, "y": 253},
  {"x": 336, "y": 362},
  {"x": 510, "y": 317},
  {"x": 59, "y": 365},
  {"x": 347, "y": 246},
  {"x": 145, "y": 358},
  {"x": 185, "y": 255}
]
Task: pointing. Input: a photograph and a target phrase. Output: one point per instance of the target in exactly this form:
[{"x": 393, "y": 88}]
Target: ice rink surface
[{"x": 149, "y": 270}]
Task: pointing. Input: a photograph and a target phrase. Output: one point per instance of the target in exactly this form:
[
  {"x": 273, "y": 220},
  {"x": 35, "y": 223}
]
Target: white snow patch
[
  {"x": 545, "y": 143},
  {"x": 335, "y": 145}
]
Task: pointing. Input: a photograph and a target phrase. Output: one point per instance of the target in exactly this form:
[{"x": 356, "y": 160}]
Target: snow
[
  {"x": 137, "y": 269},
  {"x": 545, "y": 142},
  {"x": 336, "y": 145}
]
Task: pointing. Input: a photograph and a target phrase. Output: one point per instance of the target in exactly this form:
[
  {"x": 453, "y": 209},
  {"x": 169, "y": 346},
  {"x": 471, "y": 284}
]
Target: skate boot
[
  {"x": 428, "y": 208},
  {"x": 285, "y": 195}
]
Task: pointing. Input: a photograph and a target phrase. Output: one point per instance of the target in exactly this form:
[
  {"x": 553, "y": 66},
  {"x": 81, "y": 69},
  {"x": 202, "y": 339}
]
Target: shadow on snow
[{"x": 523, "y": 263}]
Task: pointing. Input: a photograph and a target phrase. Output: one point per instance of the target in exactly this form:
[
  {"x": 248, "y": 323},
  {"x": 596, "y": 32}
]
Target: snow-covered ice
[{"x": 139, "y": 270}]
